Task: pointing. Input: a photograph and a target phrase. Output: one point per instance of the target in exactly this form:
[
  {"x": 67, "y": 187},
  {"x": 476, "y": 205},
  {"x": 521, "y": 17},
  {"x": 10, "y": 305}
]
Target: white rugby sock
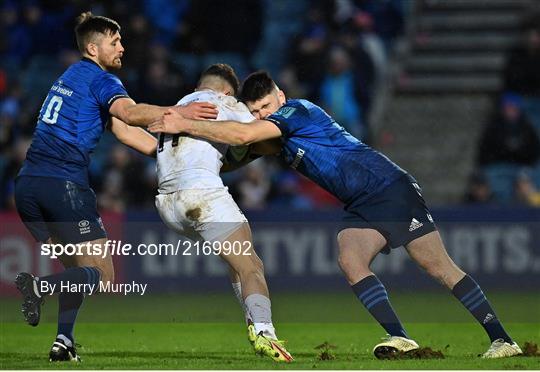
[
  {"x": 66, "y": 340},
  {"x": 237, "y": 288},
  {"x": 259, "y": 307}
]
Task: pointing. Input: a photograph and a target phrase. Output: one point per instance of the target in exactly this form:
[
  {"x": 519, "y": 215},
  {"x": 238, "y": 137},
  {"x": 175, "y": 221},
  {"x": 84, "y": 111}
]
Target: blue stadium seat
[
  {"x": 501, "y": 178},
  {"x": 531, "y": 107},
  {"x": 535, "y": 175}
]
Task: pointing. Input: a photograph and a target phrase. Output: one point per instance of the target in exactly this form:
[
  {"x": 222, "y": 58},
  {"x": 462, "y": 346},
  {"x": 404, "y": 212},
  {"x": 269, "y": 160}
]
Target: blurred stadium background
[{"x": 450, "y": 90}]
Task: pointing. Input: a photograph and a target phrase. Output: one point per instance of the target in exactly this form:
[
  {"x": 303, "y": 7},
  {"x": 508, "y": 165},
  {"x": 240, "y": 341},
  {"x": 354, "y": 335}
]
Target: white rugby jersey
[{"x": 185, "y": 162}]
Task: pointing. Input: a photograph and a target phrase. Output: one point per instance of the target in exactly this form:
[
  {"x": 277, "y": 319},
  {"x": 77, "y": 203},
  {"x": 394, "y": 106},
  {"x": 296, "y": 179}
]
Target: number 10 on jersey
[{"x": 53, "y": 107}]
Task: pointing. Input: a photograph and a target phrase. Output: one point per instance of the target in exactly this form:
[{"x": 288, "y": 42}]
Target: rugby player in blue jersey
[
  {"x": 52, "y": 192},
  {"x": 383, "y": 203}
]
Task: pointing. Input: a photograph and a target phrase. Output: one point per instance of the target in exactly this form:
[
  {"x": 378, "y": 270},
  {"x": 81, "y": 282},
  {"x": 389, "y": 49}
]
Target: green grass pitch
[{"x": 188, "y": 331}]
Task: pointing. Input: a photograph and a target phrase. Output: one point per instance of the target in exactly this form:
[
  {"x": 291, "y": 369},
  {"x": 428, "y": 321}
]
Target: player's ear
[
  {"x": 92, "y": 49},
  {"x": 281, "y": 97}
]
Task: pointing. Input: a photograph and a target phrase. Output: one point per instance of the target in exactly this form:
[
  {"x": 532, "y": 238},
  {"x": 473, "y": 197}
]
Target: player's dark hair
[
  {"x": 256, "y": 86},
  {"x": 89, "y": 24},
  {"x": 225, "y": 72}
]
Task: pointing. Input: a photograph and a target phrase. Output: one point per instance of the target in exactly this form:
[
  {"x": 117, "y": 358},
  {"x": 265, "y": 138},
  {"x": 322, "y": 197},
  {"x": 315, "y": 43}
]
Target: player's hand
[
  {"x": 198, "y": 111},
  {"x": 172, "y": 122}
]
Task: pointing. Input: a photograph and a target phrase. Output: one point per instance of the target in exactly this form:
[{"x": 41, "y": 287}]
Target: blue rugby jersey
[
  {"x": 71, "y": 122},
  {"x": 320, "y": 149}
]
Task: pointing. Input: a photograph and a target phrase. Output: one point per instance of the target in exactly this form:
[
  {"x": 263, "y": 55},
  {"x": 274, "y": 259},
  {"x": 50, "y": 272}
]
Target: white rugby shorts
[{"x": 201, "y": 214}]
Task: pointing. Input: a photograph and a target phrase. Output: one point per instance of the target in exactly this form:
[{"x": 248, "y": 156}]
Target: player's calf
[
  {"x": 469, "y": 293},
  {"x": 429, "y": 252},
  {"x": 354, "y": 260},
  {"x": 250, "y": 271}
]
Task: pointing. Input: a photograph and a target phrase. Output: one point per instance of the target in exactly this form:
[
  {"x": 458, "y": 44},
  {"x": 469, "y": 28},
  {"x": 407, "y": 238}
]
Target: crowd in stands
[
  {"x": 333, "y": 52},
  {"x": 329, "y": 51},
  {"x": 508, "y": 160}
]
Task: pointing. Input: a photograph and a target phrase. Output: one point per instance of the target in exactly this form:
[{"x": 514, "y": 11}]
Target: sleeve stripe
[
  {"x": 282, "y": 126},
  {"x": 277, "y": 122},
  {"x": 115, "y": 97}
]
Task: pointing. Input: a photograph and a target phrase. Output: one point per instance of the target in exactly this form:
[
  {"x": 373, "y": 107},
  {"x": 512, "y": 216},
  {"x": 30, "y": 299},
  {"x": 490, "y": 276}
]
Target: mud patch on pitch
[
  {"x": 530, "y": 349},
  {"x": 421, "y": 353},
  {"x": 325, "y": 351}
]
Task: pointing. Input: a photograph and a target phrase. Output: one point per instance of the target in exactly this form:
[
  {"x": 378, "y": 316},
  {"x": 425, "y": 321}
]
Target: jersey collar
[{"x": 86, "y": 59}]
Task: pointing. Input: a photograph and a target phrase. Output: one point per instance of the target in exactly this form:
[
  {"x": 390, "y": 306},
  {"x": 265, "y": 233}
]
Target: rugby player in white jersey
[{"x": 194, "y": 202}]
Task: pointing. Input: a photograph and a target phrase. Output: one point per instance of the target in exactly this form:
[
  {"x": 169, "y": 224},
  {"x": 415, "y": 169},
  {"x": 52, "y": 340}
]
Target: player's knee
[
  {"x": 340, "y": 236},
  {"x": 344, "y": 238}
]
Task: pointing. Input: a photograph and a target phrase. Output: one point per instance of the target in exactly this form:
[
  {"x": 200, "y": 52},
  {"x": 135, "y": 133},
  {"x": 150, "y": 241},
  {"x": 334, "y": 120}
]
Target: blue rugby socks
[
  {"x": 371, "y": 292},
  {"x": 68, "y": 307},
  {"x": 469, "y": 293},
  {"x": 71, "y": 284}
]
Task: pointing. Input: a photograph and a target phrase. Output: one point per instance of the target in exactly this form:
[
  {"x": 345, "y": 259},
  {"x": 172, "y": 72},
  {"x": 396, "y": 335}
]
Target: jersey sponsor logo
[
  {"x": 62, "y": 90},
  {"x": 299, "y": 155},
  {"x": 415, "y": 224},
  {"x": 286, "y": 112}
]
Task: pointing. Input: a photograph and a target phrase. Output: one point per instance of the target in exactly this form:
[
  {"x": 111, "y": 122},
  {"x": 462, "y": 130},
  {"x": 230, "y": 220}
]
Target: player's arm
[
  {"x": 136, "y": 138},
  {"x": 142, "y": 114},
  {"x": 268, "y": 147},
  {"x": 231, "y": 132},
  {"x": 238, "y": 156}
]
